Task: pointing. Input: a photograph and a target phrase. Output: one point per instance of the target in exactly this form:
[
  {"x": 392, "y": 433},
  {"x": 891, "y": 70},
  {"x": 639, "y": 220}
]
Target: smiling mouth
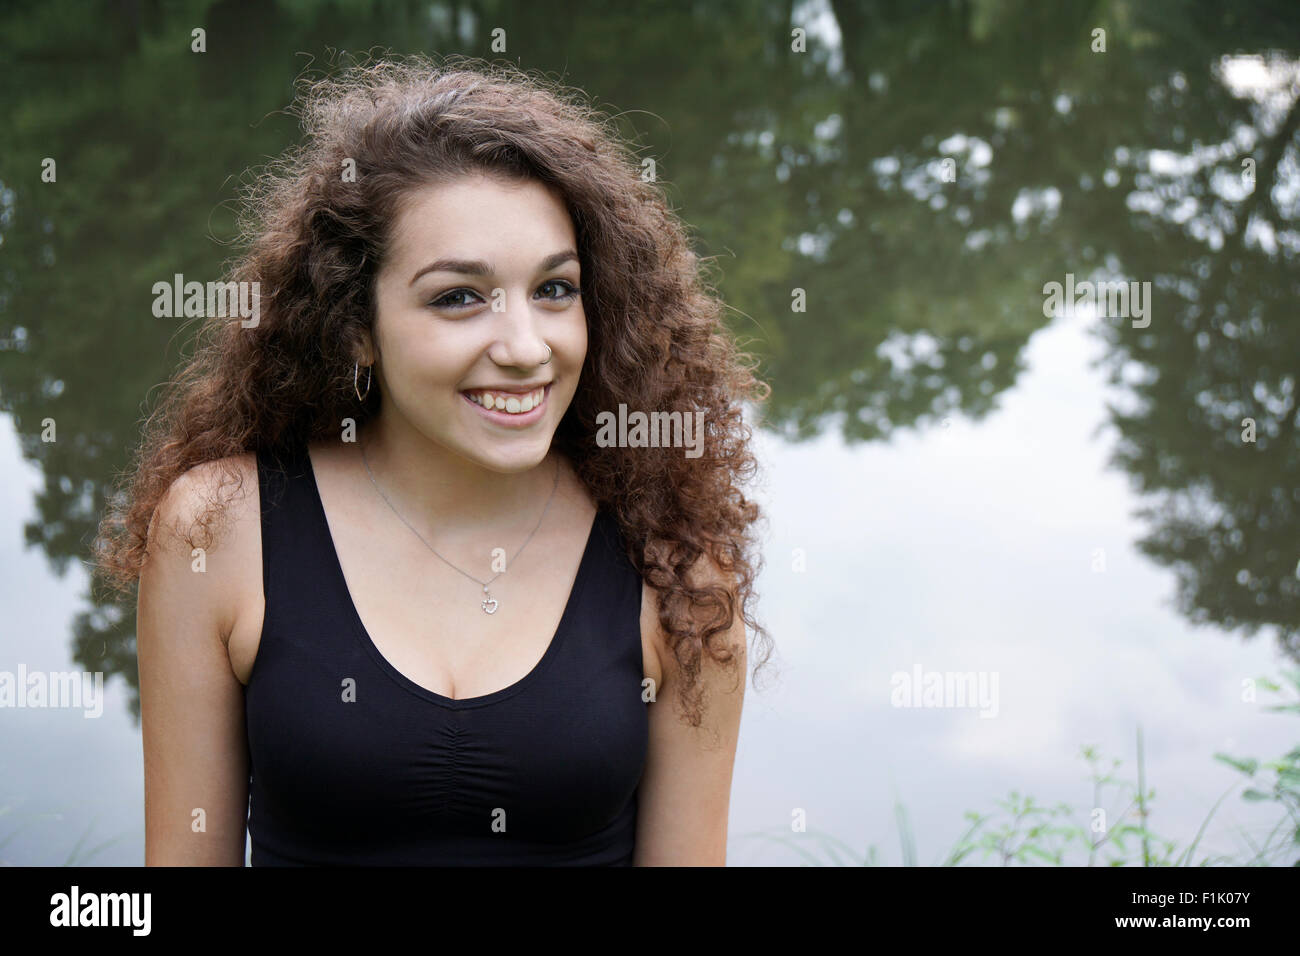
[{"x": 508, "y": 403}]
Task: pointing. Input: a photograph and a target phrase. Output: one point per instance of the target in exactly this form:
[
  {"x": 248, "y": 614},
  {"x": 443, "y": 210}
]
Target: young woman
[{"x": 399, "y": 601}]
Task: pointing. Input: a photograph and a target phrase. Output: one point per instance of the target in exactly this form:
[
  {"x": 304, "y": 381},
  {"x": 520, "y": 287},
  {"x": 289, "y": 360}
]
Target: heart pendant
[{"x": 490, "y": 605}]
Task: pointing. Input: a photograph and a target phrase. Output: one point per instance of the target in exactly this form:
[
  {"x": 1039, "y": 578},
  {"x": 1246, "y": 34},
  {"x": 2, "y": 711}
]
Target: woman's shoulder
[
  {"x": 205, "y": 541},
  {"x": 212, "y": 488},
  {"x": 210, "y": 515}
]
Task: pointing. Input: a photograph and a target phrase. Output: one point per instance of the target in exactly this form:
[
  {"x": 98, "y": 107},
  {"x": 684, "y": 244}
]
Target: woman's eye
[
  {"x": 449, "y": 300},
  {"x": 567, "y": 290}
]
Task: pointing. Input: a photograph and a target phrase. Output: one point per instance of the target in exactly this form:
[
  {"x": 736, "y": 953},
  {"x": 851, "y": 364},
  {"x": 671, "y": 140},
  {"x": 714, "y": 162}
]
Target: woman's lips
[{"x": 511, "y": 419}]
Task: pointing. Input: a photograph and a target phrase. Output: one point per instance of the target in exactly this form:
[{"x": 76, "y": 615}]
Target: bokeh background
[{"x": 953, "y": 479}]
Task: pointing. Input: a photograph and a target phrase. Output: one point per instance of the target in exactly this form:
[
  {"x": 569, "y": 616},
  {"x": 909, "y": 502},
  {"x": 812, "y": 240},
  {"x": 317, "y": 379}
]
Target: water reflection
[{"x": 884, "y": 210}]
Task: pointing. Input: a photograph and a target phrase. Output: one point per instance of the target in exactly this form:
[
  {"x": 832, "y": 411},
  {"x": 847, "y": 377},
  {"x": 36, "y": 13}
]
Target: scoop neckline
[{"x": 419, "y": 690}]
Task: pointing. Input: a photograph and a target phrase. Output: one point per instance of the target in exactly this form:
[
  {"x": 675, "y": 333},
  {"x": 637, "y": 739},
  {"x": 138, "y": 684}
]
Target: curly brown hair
[{"x": 314, "y": 239}]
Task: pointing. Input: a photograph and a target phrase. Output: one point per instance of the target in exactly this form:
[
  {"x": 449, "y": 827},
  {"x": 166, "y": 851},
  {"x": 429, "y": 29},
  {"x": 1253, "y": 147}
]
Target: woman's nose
[{"x": 519, "y": 341}]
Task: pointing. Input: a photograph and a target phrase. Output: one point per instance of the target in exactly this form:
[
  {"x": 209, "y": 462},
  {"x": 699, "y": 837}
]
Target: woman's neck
[{"x": 432, "y": 487}]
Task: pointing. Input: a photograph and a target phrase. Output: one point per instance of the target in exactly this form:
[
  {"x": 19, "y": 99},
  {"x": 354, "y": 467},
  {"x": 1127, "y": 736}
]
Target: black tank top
[{"x": 543, "y": 772}]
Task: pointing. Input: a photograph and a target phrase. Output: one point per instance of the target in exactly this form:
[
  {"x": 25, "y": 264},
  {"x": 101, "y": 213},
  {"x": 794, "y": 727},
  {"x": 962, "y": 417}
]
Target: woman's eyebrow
[{"x": 477, "y": 267}]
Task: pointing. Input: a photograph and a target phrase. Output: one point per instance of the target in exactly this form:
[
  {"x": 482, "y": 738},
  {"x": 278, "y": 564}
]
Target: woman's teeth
[{"x": 508, "y": 402}]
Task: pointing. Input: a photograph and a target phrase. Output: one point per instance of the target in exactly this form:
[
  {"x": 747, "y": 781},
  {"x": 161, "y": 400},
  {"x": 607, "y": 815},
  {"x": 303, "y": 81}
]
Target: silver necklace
[{"x": 490, "y": 604}]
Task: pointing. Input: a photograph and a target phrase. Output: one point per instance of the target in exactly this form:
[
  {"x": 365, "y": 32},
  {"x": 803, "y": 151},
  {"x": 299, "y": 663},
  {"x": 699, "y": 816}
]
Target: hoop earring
[
  {"x": 356, "y": 374},
  {"x": 549, "y": 355}
]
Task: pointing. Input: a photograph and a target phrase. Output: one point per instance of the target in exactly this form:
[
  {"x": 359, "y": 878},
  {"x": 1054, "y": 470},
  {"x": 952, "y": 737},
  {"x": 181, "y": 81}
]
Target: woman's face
[{"x": 480, "y": 278}]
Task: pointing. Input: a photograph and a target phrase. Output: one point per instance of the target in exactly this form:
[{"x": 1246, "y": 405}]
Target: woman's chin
[{"x": 508, "y": 457}]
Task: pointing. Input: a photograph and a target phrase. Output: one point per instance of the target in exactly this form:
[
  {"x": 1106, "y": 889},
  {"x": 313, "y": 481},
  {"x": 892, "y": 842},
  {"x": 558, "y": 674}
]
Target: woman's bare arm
[
  {"x": 685, "y": 792},
  {"x": 191, "y": 703}
]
